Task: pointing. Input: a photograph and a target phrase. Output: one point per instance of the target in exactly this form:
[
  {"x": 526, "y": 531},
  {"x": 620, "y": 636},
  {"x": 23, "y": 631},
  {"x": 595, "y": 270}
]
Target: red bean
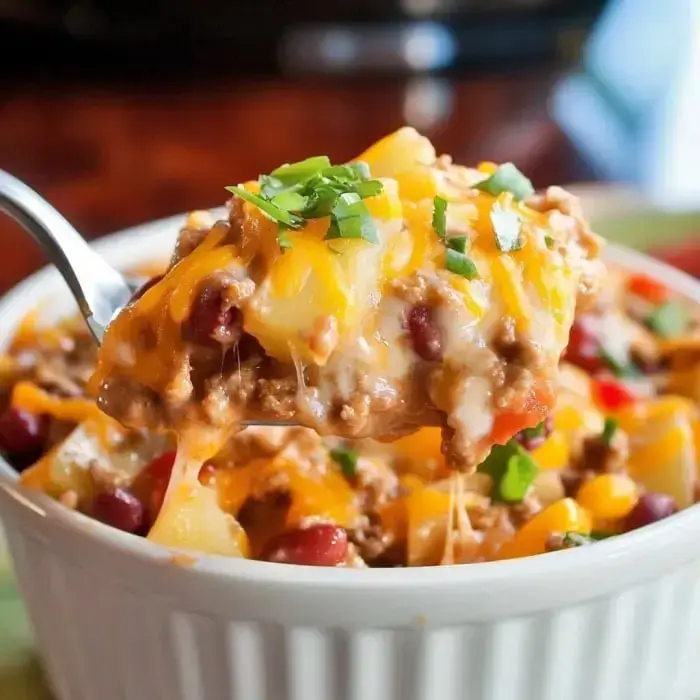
[
  {"x": 119, "y": 508},
  {"x": 650, "y": 508},
  {"x": 426, "y": 337},
  {"x": 211, "y": 320},
  {"x": 584, "y": 348},
  {"x": 151, "y": 483},
  {"x": 318, "y": 545},
  {"x": 22, "y": 436}
]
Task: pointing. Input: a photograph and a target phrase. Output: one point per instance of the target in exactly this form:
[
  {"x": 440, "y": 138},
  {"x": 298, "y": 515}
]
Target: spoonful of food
[{"x": 334, "y": 297}]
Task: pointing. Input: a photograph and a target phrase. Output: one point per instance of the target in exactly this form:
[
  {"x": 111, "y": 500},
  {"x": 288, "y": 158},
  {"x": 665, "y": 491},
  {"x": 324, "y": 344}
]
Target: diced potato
[
  {"x": 398, "y": 152},
  {"x": 427, "y": 525},
  {"x": 663, "y": 453},
  {"x": 421, "y": 453},
  {"x": 548, "y": 487},
  {"x": 191, "y": 519},
  {"x": 561, "y": 517},
  {"x": 316, "y": 280}
]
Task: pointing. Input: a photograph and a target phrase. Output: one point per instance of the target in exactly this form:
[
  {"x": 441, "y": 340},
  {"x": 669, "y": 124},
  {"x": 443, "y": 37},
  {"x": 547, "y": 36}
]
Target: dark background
[{"x": 124, "y": 111}]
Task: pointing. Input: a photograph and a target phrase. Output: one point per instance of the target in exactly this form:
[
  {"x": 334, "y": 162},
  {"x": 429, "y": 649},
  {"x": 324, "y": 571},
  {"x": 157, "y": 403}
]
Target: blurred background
[{"x": 120, "y": 111}]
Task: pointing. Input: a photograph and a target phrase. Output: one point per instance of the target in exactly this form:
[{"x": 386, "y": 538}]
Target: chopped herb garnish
[
  {"x": 539, "y": 431},
  {"x": 669, "y": 320},
  {"x": 624, "y": 370},
  {"x": 350, "y": 218},
  {"x": 267, "y": 207},
  {"x": 576, "y": 539},
  {"x": 290, "y": 201},
  {"x": 296, "y": 173},
  {"x": 368, "y": 188},
  {"x": 440, "y": 216},
  {"x": 460, "y": 264},
  {"x": 458, "y": 243},
  {"x": 609, "y": 430},
  {"x": 313, "y": 188},
  {"x": 549, "y": 241},
  {"x": 346, "y": 459},
  {"x": 512, "y": 470},
  {"x": 507, "y": 179},
  {"x": 506, "y": 226},
  {"x": 283, "y": 240}
]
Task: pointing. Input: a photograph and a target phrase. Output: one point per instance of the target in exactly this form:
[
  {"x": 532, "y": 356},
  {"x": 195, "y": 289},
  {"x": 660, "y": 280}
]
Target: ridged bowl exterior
[{"x": 117, "y": 618}]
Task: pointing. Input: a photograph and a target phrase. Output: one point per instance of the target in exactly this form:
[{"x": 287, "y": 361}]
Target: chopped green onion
[
  {"x": 549, "y": 241},
  {"x": 458, "y": 243},
  {"x": 346, "y": 459},
  {"x": 576, "y": 539},
  {"x": 270, "y": 186},
  {"x": 609, "y": 430},
  {"x": 290, "y": 201},
  {"x": 321, "y": 201},
  {"x": 460, "y": 264},
  {"x": 283, "y": 240},
  {"x": 506, "y": 227},
  {"x": 669, "y": 320},
  {"x": 296, "y": 173},
  {"x": 350, "y": 218},
  {"x": 440, "y": 216},
  {"x": 512, "y": 470},
  {"x": 534, "y": 433},
  {"x": 361, "y": 169},
  {"x": 268, "y": 208},
  {"x": 619, "y": 369},
  {"x": 313, "y": 188},
  {"x": 507, "y": 179},
  {"x": 369, "y": 188}
]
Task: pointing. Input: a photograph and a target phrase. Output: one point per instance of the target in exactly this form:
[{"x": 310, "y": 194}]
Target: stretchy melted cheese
[{"x": 454, "y": 310}]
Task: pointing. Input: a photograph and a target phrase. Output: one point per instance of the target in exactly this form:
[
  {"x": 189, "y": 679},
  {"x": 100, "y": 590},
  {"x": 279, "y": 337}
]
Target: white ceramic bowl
[{"x": 117, "y": 619}]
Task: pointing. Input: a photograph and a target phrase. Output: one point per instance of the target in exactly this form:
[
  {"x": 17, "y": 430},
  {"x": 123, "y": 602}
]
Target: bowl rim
[{"x": 637, "y": 556}]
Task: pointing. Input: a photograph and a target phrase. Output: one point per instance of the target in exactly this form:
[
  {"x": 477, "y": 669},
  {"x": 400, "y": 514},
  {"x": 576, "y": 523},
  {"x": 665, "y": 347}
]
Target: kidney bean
[
  {"x": 211, "y": 321},
  {"x": 151, "y": 483},
  {"x": 22, "y": 436},
  {"x": 119, "y": 508},
  {"x": 584, "y": 348},
  {"x": 318, "y": 545},
  {"x": 650, "y": 508},
  {"x": 425, "y": 334}
]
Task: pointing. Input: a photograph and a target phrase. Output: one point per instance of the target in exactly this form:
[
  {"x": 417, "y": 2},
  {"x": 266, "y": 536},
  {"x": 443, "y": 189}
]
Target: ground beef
[
  {"x": 600, "y": 458},
  {"x": 524, "y": 511},
  {"x": 370, "y": 538}
]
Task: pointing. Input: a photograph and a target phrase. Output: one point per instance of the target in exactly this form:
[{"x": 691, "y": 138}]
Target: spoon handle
[{"x": 97, "y": 287}]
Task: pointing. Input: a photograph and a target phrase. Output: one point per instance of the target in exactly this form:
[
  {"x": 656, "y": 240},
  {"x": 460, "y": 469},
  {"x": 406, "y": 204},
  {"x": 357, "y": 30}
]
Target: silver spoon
[{"x": 100, "y": 290}]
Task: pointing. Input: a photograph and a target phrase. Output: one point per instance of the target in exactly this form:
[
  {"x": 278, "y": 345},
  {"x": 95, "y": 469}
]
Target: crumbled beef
[
  {"x": 558, "y": 541},
  {"x": 522, "y": 512},
  {"x": 370, "y": 538},
  {"x": 599, "y": 457}
]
